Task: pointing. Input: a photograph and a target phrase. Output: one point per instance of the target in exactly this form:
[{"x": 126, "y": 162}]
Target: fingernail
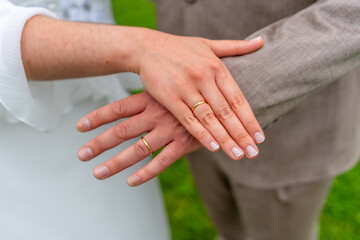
[
  {"x": 101, "y": 172},
  {"x": 259, "y": 137},
  {"x": 85, "y": 154},
  {"x": 133, "y": 180},
  {"x": 85, "y": 124},
  {"x": 251, "y": 151},
  {"x": 255, "y": 39},
  {"x": 237, "y": 152},
  {"x": 214, "y": 146}
]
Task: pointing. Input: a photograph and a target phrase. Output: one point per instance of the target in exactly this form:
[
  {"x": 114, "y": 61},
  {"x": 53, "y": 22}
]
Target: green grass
[
  {"x": 187, "y": 216},
  {"x": 134, "y": 13},
  {"x": 340, "y": 219},
  {"x": 341, "y": 216}
]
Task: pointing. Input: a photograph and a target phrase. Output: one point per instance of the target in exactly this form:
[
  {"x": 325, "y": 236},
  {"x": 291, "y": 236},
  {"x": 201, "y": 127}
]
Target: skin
[
  {"x": 144, "y": 115},
  {"x": 144, "y": 112},
  {"x": 177, "y": 71}
]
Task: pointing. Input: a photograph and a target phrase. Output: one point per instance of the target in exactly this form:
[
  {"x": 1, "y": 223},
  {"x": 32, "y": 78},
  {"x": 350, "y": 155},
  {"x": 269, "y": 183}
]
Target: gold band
[
  {"x": 147, "y": 145},
  {"x": 197, "y": 104}
]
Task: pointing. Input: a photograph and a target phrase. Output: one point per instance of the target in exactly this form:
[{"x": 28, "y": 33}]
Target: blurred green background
[{"x": 340, "y": 219}]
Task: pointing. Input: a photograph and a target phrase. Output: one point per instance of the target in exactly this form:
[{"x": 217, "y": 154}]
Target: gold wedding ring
[
  {"x": 147, "y": 145},
  {"x": 197, "y": 104}
]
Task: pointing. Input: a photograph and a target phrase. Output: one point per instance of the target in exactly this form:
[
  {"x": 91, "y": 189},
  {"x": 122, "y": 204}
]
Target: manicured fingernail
[
  {"x": 251, "y": 151},
  {"x": 214, "y": 146},
  {"x": 85, "y": 124},
  {"x": 256, "y": 39},
  {"x": 85, "y": 154},
  {"x": 134, "y": 180},
  {"x": 237, "y": 152},
  {"x": 259, "y": 137},
  {"x": 101, "y": 172}
]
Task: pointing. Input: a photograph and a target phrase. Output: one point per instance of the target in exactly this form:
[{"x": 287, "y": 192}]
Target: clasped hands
[{"x": 177, "y": 74}]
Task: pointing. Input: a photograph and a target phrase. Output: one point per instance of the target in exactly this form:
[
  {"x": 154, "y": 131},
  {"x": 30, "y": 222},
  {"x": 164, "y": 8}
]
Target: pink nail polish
[
  {"x": 259, "y": 137},
  {"x": 251, "y": 151},
  {"x": 214, "y": 146},
  {"x": 255, "y": 39},
  {"x": 237, "y": 152}
]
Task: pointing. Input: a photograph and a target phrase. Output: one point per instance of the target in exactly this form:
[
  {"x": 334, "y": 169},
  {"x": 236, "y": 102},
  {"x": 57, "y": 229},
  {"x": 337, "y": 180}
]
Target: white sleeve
[{"x": 16, "y": 95}]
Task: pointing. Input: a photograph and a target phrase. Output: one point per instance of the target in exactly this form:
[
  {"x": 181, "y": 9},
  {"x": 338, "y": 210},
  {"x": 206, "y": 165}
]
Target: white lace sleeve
[{"x": 15, "y": 93}]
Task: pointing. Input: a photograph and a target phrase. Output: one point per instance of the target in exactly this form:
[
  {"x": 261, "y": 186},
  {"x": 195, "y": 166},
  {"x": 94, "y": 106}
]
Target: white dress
[{"x": 45, "y": 192}]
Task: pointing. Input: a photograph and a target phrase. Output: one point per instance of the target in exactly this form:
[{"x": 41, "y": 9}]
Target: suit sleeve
[{"x": 301, "y": 55}]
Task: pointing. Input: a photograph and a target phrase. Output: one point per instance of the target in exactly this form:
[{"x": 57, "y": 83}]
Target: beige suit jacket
[{"x": 303, "y": 85}]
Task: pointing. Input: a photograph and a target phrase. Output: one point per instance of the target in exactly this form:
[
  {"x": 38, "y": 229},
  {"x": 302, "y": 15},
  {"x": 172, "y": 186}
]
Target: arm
[
  {"x": 301, "y": 55},
  {"x": 177, "y": 71}
]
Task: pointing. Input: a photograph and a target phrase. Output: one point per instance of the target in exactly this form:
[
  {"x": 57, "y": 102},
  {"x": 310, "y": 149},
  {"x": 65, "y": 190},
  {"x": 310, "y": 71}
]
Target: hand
[
  {"x": 146, "y": 115},
  {"x": 181, "y": 71},
  {"x": 177, "y": 71}
]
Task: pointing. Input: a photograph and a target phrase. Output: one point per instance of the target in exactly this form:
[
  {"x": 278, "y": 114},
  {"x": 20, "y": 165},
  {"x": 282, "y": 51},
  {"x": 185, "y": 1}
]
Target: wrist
[{"x": 133, "y": 43}]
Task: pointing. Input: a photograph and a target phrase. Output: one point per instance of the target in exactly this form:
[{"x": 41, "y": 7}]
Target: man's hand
[{"x": 146, "y": 116}]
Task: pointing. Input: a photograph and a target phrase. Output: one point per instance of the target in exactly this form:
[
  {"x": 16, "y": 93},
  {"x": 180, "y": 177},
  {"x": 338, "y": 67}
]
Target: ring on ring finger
[
  {"x": 147, "y": 145},
  {"x": 197, "y": 104}
]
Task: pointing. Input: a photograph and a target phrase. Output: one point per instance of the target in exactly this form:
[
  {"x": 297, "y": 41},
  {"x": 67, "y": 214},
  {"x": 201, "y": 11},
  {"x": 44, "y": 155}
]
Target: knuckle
[
  {"x": 225, "y": 140},
  {"x": 209, "y": 118},
  {"x": 97, "y": 116},
  {"x": 237, "y": 101},
  {"x": 164, "y": 161},
  {"x": 237, "y": 45},
  {"x": 225, "y": 112},
  {"x": 202, "y": 135},
  {"x": 242, "y": 136},
  {"x": 146, "y": 173},
  {"x": 98, "y": 145},
  {"x": 121, "y": 131},
  {"x": 189, "y": 119},
  {"x": 201, "y": 39},
  {"x": 140, "y": 149},
  {"x": 215, "y": 65},
  {"x": 250, "y": 122},
  {"x": 195, "y": 73},
  {"x": 118, "y": 107}
]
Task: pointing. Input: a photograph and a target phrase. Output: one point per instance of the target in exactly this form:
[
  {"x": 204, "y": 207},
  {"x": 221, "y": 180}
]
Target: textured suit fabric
[
  {"x": 306, "y": 77},
  {"x": 244, "y": 213}
]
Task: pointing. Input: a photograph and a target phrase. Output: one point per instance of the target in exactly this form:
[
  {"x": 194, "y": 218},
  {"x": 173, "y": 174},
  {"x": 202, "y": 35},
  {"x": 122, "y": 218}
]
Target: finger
[
  {"x": 207, "y": 118},
  {"x": 224, "y": 113},
  {"x": 133, "y": 154},
  {"x": 114, "y": 111},
  {"x": 184, "y": 115},
  {"x": 238, "y": 103},
  {"x": 114, "y": 136},
  {"x": 163, "y": 160},
  {"x": 223, "y": 48}
]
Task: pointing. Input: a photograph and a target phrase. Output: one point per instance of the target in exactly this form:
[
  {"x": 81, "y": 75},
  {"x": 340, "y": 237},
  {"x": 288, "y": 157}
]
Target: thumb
[{"x": 225, "y": 48}]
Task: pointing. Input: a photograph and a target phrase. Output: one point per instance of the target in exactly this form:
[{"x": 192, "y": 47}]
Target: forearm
[
  {"x": 301, "y": 55},
  {"x": 55, "y": 49}
]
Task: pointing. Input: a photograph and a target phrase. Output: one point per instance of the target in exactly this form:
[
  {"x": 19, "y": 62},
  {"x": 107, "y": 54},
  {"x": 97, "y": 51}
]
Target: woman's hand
[
  {"x": 180, "y": 72},
  {"x": 146, "y": 115}
]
